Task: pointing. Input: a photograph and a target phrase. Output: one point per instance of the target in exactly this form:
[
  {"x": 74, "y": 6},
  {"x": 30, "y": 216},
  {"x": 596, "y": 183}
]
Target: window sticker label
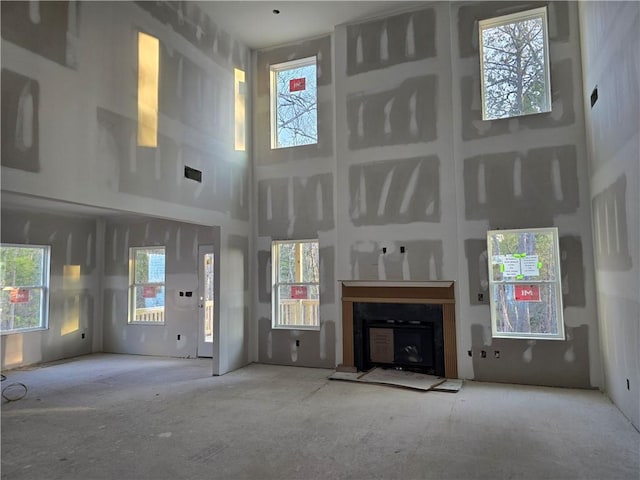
[
  {"x": 527, "y": 293},
  {"x": 530, "y": 266},
  {"x": 511, "y": 266},
  {"x": 19, "y": 295},
  {"x": 299, "y": 292},
  {"x": 149, "y": 292},
  {"x": 297, "y": 84}
]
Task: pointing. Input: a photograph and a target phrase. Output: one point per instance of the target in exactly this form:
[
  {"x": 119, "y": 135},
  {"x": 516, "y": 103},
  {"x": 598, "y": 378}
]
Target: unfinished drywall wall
[
  {"x": 610, "y": 35},
  {"x": 82, "y": 144},
  {"x": 524, "y": 172},
  {"x": 294, "y": 189},
  {"x": 73, "y": 286},
  {"x": 181, "y": 243},
  {"x": 81, "y": 141}
]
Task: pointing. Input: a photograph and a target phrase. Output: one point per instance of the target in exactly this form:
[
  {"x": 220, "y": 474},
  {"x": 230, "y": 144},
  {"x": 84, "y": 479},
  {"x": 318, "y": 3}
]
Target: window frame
[
  {"x": 556, "y": 284},
  {"x": 44, "y": 288},
  {"x": 513, "y": 18},
  {"x": 131, "y": 317},
  {"x": 276, "y": 284},
  {"x": 274, "y": 69}
]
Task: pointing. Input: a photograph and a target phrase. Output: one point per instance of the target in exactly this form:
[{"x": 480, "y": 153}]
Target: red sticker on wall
[
  {"x": 299, "y": 292},
  {"x": 527, "y": 293},
  {"x": 149, "y": 292},
  {"x": 297, "y": 84},
  {"x": 19, "y": 295}
]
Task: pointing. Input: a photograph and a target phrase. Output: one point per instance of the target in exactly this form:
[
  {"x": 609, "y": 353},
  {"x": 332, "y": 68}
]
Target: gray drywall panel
[
  {"x": 393, "y": 40},
  {"x": 181, "y": 241},
  {"x": 239, "y": 246},
  {"x": 159, "y": 172},
  {"x": 609, "y": 209},
  {"x": 422, "y": 260},
  {"x": 20, "y": 121},
  {"x": 542, "y": 181},
  {"x": 72, "y": 286},
  {"x": 533, "y": 362},
  {"x": 48, "y": 29},
  {"x": 468, "y": 16},
  {"x": 295, "y": 207},
  {"x": 327, "y": 275},
  {"x": 264, "y": 277},
  {"x": 395, "y": 191},
  {"x": 571, "y": 268},
  {"x": 401, "y": 115},
  {"x": 315, "y": 349},
  {"x": 191, "y": 22}
]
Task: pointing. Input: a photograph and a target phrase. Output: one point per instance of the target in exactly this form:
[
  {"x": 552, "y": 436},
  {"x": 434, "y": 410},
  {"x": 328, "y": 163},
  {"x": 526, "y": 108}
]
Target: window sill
[
  {"x": 150, "y": 324},
  {"x": 25, "y": 330},
  {"x": 312, "y": 328}
]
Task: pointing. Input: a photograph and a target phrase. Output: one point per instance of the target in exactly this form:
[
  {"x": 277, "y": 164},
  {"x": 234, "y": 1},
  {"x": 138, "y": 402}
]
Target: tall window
[
  {"x": 296, "y": 284},
  {"x": 148, "y": 76},
  {"x": 514, "y": 58},
  {"x": 294, "y": 103},
  {"x": 525, "y": 283},
  {"x": 24, "y": 287},
  {"x": 146, "y": 285}
]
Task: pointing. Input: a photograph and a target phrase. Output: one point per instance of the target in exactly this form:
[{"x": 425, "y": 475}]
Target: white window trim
[
  {"x": 273, "y": 100},
  {"x": 275, "y": 300},
  {"x": 132, "y": 285},
  {"x": 510, "y": 18},
  {"x": 46, "y": 277},
  {"x": 557, "y": 283}
]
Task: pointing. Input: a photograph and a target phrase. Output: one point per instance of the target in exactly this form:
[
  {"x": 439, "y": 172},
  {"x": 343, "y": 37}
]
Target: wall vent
[{"x": 192, "y": 174}]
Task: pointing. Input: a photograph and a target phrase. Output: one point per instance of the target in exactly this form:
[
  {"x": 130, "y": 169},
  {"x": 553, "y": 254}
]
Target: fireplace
[
  {"x": 408, "y": 325},
  {"x": 399, "y": 335}
]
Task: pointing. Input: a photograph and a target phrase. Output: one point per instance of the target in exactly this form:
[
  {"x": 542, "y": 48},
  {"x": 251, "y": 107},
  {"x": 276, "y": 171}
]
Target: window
[
  {"x": 296, "y": 284},
  {"x": 148, "y": 74},
  {"x": 24, "y": 288},
  {"x": 294, "y": 98},
  {"x": 514, "y": 60},
  {"x": 525, "y": 283},
  {"x": 146, "y": 285}
]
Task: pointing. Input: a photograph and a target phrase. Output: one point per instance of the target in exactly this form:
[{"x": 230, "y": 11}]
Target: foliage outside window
[
  {"x": 294, "y": 103},
  {"x": 514, "y": 59},
  {"x": 146, "y": 285},
  {"x": 24, "y": 287},
  {"x": 525, "y": 283},
  {"x": 296, "y": 284}
]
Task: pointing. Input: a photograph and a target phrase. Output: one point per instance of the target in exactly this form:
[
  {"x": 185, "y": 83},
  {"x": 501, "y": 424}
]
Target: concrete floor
[{"x": 134, "y": 417}]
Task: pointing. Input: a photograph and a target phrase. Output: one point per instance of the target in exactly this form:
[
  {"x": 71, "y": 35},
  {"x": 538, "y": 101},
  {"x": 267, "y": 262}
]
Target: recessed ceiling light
[{"x": 276, "y": 11}]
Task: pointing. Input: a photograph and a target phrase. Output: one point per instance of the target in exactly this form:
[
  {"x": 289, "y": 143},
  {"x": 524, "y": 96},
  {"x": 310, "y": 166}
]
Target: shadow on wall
[
  {"x": 551, "y": 363},
  {"x": 315, "y": 349}
]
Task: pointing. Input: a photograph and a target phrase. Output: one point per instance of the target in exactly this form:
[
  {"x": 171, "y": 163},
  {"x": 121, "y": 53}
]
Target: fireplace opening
[{"x": 399, "y": 335}]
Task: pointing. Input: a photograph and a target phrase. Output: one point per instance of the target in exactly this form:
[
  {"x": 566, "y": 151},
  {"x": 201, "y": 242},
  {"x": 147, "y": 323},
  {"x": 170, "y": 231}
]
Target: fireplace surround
[{"x": 403, "y": 324}]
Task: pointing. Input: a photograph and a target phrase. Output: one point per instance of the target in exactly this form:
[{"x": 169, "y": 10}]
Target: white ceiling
[{"x": 255, "y": 25}]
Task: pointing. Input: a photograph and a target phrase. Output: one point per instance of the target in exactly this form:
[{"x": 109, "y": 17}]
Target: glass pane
[
  {"x": 310, "y": 262},
  {"x": 298, "y": 305},
  {"x": 286, "y": 262},
  {"x": 521, "y": 308},
  {"x": 149, "y": 264},
  {"x": 514, "y": 73},
  {"x": 149, "y": 306},
  {"x": 21, "y": 266},
  {"x": 208, "y": 297},
  {"x": 522, "y": 256},
  {"x": 296, "y": 104},
  {"x": 20, "y": 308}
]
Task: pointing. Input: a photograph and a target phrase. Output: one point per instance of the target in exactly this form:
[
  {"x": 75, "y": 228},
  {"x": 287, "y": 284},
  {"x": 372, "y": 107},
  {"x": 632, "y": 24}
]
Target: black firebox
[{"x": 399, "y": 335}]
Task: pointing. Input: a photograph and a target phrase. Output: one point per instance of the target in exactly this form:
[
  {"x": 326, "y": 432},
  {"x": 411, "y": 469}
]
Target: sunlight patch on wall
[
  {"x": 148, "y": 73},
  {"x": 240, "y": 90}
]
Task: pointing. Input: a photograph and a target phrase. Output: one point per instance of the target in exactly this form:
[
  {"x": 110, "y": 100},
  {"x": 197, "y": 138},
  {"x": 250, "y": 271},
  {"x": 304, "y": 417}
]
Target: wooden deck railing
[
  {"x": 150, "y": 315},
  {"x": 299, "y": 312}
]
